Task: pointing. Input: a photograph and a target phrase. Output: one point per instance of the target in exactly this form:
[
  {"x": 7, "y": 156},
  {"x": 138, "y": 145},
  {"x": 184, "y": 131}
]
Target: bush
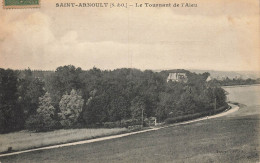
[
  {"x": 43, "y": 120},
  {"x": 112, "y": 124},
  {"x": 194, "y": 116},
  {"x": 122, "y": 123},
  {"x": 130, "y": 122},
  {"x": 39, "y": 123},
  {"x": 34, "y": 123},
  {"x": 135, "y": 127},
  {"x": 70, "y": 107}
]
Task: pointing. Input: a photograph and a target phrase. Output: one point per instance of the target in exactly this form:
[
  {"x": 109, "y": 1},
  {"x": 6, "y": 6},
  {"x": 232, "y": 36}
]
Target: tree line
[
  {"x": 231, "y": 82},
  {"x": 71, "y": 97}
]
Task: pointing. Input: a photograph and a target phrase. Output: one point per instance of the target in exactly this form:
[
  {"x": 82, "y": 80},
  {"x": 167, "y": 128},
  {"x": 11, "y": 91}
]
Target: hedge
[{"x": 194, "y": 116}]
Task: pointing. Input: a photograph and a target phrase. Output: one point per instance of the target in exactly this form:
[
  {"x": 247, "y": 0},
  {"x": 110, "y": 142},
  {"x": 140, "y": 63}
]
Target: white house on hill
[
  {"x": 208, "y": 79},
  {"x": 178, "y": 77}
]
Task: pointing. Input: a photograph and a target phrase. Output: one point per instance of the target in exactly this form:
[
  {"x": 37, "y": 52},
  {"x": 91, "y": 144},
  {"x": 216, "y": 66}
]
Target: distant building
[
  {"x": 237, "y": 77},
  {"x": 178, "y": 77},
  {"x": 221, "y": 78},
  {"x": 208, "y": 79}
]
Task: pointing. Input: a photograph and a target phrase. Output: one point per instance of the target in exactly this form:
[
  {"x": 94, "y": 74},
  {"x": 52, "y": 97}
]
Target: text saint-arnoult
[{"x": 81, "y": 4}]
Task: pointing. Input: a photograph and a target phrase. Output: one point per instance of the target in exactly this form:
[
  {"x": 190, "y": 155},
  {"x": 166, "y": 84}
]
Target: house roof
[{"x": 175, "y": 76}]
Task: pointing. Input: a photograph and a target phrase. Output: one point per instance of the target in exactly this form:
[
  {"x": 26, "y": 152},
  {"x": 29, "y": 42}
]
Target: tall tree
[
  {"x": 63, "y": 81},
  {"x": 44, "y": 119},
  {"x": 11, "y": 115},
  {"x": 138, "y": 108},
  {"x": 70, "y": 107},
  {"x": 34, "y": 91},
  {"x": 119, "y": 109}
]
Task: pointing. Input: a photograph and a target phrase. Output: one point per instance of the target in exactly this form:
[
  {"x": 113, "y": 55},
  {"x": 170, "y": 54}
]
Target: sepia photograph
[{"x": 130, "y": 81}]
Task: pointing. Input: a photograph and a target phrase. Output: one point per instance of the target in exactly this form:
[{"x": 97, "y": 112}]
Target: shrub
[
  {"x": 71, "y": 107},
  {"x": 38, "y": 123},
  {"x": 43, "y": 120},
  {"x": 194, "y": 116},
  {"x": 134, "y": 127},
  {"x": 112, "y": 124}
]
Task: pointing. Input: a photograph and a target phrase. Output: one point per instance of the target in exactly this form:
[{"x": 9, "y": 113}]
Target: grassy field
[{"x": 25, "y": 139}]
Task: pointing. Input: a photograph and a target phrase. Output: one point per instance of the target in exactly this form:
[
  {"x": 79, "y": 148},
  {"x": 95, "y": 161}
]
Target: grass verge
[{"x": 27, "y": 140}]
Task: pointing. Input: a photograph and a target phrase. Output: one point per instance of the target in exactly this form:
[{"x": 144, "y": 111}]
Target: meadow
[{"x": 27, "y": 140}]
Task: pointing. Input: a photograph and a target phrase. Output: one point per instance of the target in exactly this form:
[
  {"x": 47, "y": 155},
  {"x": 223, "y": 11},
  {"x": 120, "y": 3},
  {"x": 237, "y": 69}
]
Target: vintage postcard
[{"x": 130, "y": 81}]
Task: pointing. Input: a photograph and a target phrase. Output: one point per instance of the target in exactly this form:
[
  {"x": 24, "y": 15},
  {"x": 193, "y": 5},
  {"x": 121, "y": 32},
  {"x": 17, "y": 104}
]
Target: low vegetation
[
  {"x": 27, "y": 140},
  {"x": 194, "y": 116}
]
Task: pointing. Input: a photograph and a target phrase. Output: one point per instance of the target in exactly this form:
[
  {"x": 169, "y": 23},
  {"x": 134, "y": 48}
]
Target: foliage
[
  {"x": 122, "y": 123},
  {"x": 63, "y": 80},
  {"x": 44, "y": 119},
  {"x": 118, "y": 109},
  {"x": 70, "y": 107},
  {"x": 102, "y": 97},
  {"x": 29, "y": 99},
  {"x": 194, "y": 116},
  {"x": 236, "y": 81},
  {"x": 11, "y": 115},
  {"x": 137, "y": 107}
]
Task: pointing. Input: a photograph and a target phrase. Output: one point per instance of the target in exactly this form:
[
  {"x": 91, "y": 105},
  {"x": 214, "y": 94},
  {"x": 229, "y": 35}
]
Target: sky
[{"x": 216, "y": 35}]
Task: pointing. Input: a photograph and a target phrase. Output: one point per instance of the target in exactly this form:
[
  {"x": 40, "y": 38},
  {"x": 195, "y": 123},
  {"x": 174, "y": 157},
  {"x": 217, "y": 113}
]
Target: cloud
[{"x": 145, "y": 39}]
